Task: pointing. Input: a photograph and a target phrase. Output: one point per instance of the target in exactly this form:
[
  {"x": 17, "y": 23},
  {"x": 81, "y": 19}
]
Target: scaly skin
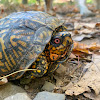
[{"x": 53, "y": 55}]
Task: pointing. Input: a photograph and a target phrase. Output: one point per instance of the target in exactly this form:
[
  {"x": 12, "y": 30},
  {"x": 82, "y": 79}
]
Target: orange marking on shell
[
  {"x": 11, "y": 40},
  {"x": 20, "y": 49},
  {"x": 53, "y": 56},
  {"x": 3, "y": 70},
  {"x": 12, "y": 59},
  {"x": 3, "y": 49},
  {"x": 0, "y": 55},
  {"x": 1, "y": 64},
  {"x": 2, "y": 31},
  {"x": 20, "y": 53},
  {"x": 15, "y": 53},
  {"x": 22, "y": 43},
  {"x": 7, "y": 66}
]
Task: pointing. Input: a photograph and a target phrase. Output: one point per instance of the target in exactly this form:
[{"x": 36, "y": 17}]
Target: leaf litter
[{"x": 81, "y": 74}]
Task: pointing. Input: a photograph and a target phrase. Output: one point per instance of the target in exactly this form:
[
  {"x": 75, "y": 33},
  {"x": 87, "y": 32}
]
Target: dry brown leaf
[
  {"x": 72, "y": 56},
  {"x": 84, "y": 25},
  {"x": 76, "y": 32},
  {"x": 81, "y": 49},
  {"x": 89, "y": 25},
  {"x": 77, "y": 26},
  {"x": 94, "y": 47},
  {"x": 97, "y": 25},
  {"x": 80, "y": 37},
  {"x": 91, "y": 96},
  {"x": 89, "y": 81},
  {"x": 86, "y": 31}
]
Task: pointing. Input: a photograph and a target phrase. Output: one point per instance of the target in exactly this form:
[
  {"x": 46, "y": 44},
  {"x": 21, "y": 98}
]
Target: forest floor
[{"x": 78, "y": 77}]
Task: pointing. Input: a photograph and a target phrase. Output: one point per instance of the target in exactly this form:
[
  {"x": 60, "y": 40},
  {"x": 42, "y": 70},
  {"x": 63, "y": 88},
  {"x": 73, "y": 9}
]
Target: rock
[
  {"x": 49, "y": 96},
  {"x": 61, "y": 70},
  {"x": 12, "y": 92},
  {"x": 48, "y": 86},
  {"x": 18, "y": 96},
  {"x": 25, "y": 81},
  {"x": 26, "y": 87}
]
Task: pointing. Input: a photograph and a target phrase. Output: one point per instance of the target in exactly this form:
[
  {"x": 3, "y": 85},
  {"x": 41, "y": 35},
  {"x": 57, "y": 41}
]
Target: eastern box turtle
[{"x": 32, "y": 40}]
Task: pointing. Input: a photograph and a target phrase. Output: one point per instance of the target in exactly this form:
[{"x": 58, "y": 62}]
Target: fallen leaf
[
  {"x": 72, "y": 56},
  {"x": 80, "y": 49},
  {"x": 94, "y": 47},
  {"x": 84, "y": 25},
  {"x": 80, "y": 37},
  {"x": 89, "y": 82},
  {"x": 76, "y": 32},
  {"x": 97, "y": 25}
]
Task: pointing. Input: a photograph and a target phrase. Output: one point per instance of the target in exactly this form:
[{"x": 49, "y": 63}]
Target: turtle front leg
[{"x": 40, "y": 65}]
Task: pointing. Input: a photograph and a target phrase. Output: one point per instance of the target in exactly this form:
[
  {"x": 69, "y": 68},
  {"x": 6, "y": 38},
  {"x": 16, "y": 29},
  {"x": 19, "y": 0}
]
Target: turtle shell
[{"x": 23, "y": 36}]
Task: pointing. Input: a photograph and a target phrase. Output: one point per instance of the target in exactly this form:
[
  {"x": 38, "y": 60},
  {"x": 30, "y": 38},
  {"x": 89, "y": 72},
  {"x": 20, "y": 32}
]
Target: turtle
[{"x": 32, "y": 40}]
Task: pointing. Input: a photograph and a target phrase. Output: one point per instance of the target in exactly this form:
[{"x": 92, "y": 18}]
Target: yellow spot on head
[
  {"x": 37, "y": 59},
  {"x": 47, "y": 67},
  {"x": 45, "y": 71},
  {"x": 39, "y": 71},
  {"x": 53, "y": 48},
  {"x": 60, "y": 30},
  {"x": 34, "y": 71},
  {"x": 43, "y": 62},
  {"x": 33, "y": 66},
  {"x": 32, "y": 77},
  {"x": 53, "y": 57}
]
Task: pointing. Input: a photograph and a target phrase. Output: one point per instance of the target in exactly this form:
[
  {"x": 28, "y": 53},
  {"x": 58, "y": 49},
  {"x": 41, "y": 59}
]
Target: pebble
[
  {"x": 18, "y": 96},
  {"x": 48, "y": 86},
  {"x": 61, "y": 70},
  {"x": 26, "y": 87},
  {"x": 49, "y": 96},
  {"x": 25, "y": 81},
  {"x": 12, "y": 92}
]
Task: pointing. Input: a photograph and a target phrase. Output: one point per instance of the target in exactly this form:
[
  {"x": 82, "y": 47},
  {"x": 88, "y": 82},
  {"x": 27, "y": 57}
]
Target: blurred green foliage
[
  {"x": 17, "y": 1},
  {"x": 89, "y": 1},
  {"x": 30, "y": 1}
]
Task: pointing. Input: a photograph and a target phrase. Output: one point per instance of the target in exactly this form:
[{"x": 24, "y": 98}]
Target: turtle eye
[{"x": 57, "y": 41}]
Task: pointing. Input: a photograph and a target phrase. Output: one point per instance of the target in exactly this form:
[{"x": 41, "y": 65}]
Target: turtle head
[{"x": 60, "y": 46}]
